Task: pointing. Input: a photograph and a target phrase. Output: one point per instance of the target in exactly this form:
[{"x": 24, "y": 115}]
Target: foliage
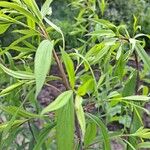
[{"x": 100, "y": 85}]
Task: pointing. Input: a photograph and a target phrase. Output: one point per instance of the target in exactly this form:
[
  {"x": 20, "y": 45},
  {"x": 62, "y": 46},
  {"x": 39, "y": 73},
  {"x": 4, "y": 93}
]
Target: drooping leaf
[
  {"x": 60, "y": 101},
  {"x": 65, "y": 126},
  {"x": 57, "y": 29},
  {"x": 80, "y": 114},
  {"x": 42, "y": 63}
]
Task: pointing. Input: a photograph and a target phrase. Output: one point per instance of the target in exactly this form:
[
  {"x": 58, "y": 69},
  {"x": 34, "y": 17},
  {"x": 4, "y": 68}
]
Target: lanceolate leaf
[
  {"x": 137, "y": 98},
  {"x": 80, "y": 113},
  {"x": 46, "y": 8},
  {"x": 11, "y": 87},
  {"x": 42, "y": 137},
  {"x": 104, "y": 131},
  {"x": 143, "y": 55},
  {"x": 33, "y": 7},
  {"x": 84, "y": 88},
  {"x": 143, "y": 145},
  {"x": 16, "y": 74},
  {"x": 42, "y": 62},
  {"x": 65, "y": 127},
  {"x": 4, "y": 27},
  {"x": 18, "y": 8},
  {"x": 20, "y": 112},
  {"x": 60, "y": 101},
  {"x": 90, "y": 133},
  {"x": 15, "y": 124},
  {"x": 69, "y": 67}
]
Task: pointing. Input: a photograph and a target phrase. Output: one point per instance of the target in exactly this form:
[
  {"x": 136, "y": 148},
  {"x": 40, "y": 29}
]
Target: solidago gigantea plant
[{"x": 69, "y": 128}]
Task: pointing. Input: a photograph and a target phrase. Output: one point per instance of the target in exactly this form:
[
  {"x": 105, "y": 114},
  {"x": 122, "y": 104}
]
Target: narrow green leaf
[
  {"x": 20, "y": 112},
  {"x": 84, "y": 88},
  {"x": 104, "y": 131},
  {"x": 31, "y": 4},
  {"x": 99, "y": 33},
  {"x": 65, "y": 127},
  {"x": 16, "y": 74},
  {"x": 19, "y": 9},
  {"x": 46, "y": 10},
  {"x": 129, "y": 88},
  {"x": 137, "y": 98},
  {"x": 57, "y": 29},
  {"x": 42, "y": 63},
  {"x": 4, "y": 27},
  {"x": 80, "y": 114},
  {"x": 15, "y": 124},
  {"x": 60, "y": 101},
  {"x": 143, "y": 55},
  {"x": 42, "y": 136},
  {"x": 143, "y": 145},
  {"x": 90, "y": 133},
  {"x": 11, "y": 87},
  {"x": 102, "y": 6},
  {"x": 69, "y": 67}
]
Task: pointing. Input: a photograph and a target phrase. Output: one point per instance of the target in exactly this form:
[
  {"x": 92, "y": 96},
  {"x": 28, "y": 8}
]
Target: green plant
[{"x": 99, "y": 86}]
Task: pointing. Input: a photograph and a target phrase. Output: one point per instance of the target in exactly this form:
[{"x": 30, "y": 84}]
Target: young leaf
[
  {"x": 102, "y": 6},
  {"x": 65, "y": 127},
  {"x": 83, "y": 89},
  {"x": 46, "y": 8},
  {"x": 57, "y": 29},
  {"x": 42, "y": 63},
  {"x": 60, "y": 101},
  {"x": 69, "y": 67},
  {"x": 80, "y": 113}
]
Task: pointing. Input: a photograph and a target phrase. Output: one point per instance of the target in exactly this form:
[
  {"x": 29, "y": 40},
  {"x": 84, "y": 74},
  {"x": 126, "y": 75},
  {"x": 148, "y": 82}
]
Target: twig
[{"x": 137, "y": 76}]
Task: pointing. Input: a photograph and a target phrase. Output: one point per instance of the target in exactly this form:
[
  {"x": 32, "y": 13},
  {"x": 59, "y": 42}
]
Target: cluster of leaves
[{"x": 94, "y": 72}]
